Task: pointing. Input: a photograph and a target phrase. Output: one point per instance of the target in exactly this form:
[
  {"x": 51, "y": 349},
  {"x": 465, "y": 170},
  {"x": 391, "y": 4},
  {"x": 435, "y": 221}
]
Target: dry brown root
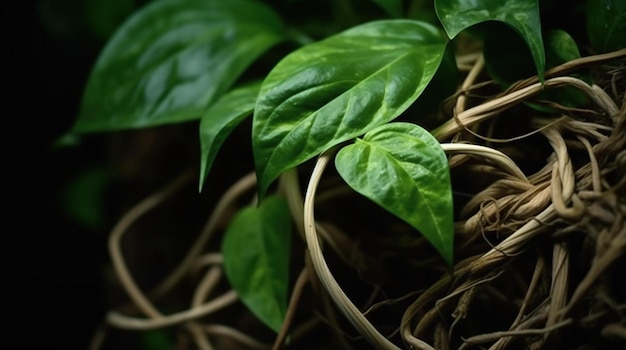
[{"x": 575, "y": 286}]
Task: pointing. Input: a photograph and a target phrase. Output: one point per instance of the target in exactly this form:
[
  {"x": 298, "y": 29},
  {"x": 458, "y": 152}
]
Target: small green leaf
[
  {"x": 339, "y": 88},
  {"x": 221, "y": 119},
  {"x": 393, "y": 7},
  {"x": 84, "y": 196},
  {"x": 256, "y": 259},
  {"x": 502, "y": 47},
  {"x": 562, "y": 48},
  {"x": 169, "y": 61},
  {"x": 157, "y": 339},
  {"x": 403, "y": 168},
  {"x": 606, "y": 24},
  {"x": 521, "y": 15}
]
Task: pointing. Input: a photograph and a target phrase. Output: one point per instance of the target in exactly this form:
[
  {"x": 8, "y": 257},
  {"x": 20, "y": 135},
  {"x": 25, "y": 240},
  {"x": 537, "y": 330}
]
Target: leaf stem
[
  {"x": 347, "y": 308},
  {"x": 491, "y": 108},
  {"x": 491, "y": 154}
]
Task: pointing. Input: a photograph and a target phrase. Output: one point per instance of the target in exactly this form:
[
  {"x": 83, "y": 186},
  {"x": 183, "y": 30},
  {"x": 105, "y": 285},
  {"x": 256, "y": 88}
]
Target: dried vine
[{"x": 522, "y": 230}]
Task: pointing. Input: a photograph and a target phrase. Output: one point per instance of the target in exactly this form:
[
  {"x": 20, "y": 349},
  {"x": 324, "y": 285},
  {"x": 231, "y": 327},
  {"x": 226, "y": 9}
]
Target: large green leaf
[
  {"x": 256, "y": 258},
  {"x": 339, "y": 88},
  {"x": 606, "y": 24},
  {"x": 221, "y": 119},
  {"x": 521, "y": 15},
  {"x": 403, "y": 168},
  {"x": 172, "y": 59}
]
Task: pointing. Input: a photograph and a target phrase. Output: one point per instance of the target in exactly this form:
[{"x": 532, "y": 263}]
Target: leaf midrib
[
  {"x": 393, "y": 159},
  {"x": 407, "y": 53}
]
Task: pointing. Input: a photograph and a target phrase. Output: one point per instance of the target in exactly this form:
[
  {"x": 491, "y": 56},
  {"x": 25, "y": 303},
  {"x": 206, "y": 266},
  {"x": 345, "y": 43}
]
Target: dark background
[{"x": 55, "y": 263}]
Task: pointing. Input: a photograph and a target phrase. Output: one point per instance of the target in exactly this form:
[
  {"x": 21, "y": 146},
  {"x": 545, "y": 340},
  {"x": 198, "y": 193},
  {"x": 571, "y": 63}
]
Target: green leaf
[
  {"x": 403, "y": 168},
  {"x": 169, "y": 61},
  {"x": 256, "y": 259},
  {"x": 393, "y": 7},
  {"x": 521, "y": 15},
  {"x": 606, "y": 24},
  {"x": 562, "y": 48},
  {"x": 84, "y": 196},
  {"x": 502, "y": 47},
  {"x": 157, "y": 339},
  {"x": 334, "y": 90},
  {"x": 221, "y": 119}
]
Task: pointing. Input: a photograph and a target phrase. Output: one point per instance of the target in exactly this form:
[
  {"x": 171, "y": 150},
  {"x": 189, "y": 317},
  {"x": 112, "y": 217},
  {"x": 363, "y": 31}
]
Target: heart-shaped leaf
[
  {"x": 256, "y": 259},
  {"x": 402, "y": 168},
  {"x": 521, "y": 15},
  {"x": 221, "y": 119},
  {"x": 169, "y": 61},
  {"x": 334, "y": 90}
]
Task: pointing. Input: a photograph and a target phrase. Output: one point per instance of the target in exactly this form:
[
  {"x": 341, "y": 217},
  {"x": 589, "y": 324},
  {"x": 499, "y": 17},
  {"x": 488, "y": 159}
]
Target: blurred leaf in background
[{"x": 93, "y": 20}]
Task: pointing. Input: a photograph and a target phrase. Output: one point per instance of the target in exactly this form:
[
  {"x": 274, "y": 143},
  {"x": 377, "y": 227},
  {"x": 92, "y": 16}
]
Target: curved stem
[
  {"x": 298, "y": 288},
  {"x": 341, "y": 300},
  {"x": 132, "y": 323},
  {"x": 467, "y": 83},
  {"x": 119, "y": 265},
  {"x": 491, "y": 108},
  {"x": 494, "y": 155},
  {"x": 241, "y": 186}
]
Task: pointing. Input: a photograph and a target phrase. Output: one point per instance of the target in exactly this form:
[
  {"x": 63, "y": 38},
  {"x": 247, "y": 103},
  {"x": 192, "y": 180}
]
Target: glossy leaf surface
[
  {"x": 221, "y": 119},
  {"x": 402, "y": 168},
  {"x": 172, "y": 59},
  {"x": 256, "y": 259},
  {"x": 606, "y": 24},
  {"x": 521, "y": 15},
  {"x": 339, "y": 88}
]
